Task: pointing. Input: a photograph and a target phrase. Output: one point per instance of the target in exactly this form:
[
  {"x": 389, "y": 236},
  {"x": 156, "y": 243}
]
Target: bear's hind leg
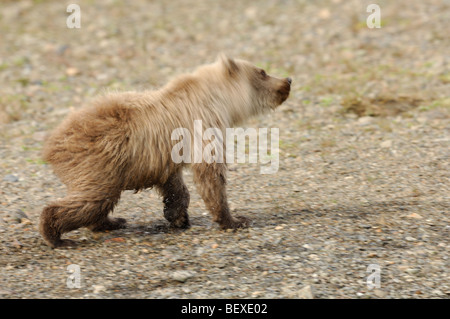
[
  {"x": 109, "y": 223},
  {"x": 73, "y": 212},
  {"x": 103, "y": 222},
  {"x": 51, "y": 228}
]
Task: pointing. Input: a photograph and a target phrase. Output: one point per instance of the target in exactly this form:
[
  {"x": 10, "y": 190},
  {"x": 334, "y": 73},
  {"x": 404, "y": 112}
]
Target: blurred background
[{"x": 326, "y": 46}]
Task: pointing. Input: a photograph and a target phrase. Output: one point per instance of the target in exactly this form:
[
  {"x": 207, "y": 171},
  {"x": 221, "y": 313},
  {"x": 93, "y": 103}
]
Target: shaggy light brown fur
[{"x": 123, "y": 142}]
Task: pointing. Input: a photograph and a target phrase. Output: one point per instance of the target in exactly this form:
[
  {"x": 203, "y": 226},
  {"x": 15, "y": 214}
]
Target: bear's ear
[{"x": 229, "y": 64}]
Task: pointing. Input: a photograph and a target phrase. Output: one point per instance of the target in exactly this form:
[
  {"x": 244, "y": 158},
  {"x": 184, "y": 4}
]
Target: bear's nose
[{"x": 289, "y": 80}]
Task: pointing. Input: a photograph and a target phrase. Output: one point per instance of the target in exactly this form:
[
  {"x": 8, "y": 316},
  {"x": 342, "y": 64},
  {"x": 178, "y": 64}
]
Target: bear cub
[{"x": 122, "y": 141}]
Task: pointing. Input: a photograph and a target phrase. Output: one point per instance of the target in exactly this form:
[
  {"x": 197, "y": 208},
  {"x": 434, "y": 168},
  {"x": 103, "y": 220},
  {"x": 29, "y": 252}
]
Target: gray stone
[
  {"x": 182, "y": 275},
  {"x": 11, "y": 178}
]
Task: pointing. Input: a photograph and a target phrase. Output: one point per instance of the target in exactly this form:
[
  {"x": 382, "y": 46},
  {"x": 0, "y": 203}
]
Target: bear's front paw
[
  {"x": 181, "y": 223},
  {"x": 236, "y": 222}
]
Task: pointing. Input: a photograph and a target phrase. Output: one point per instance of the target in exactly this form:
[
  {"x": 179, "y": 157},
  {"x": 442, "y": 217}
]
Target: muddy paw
[
  {"x": 181, "y": 223},
  {"x": 237, "y": 222}
]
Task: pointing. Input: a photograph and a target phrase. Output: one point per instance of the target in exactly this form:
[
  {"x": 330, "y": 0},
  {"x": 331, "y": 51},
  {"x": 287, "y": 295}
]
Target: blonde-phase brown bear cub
[{"x": 123, "y": 142}]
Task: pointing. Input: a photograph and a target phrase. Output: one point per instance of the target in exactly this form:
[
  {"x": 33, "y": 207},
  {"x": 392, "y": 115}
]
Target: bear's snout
[{"x": 284, "y": 90}]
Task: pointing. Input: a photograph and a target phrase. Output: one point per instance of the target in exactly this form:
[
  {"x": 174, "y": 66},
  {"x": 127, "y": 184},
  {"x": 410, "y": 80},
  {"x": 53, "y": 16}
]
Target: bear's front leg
[
  {"x": 176, "y": 201},
  {"x": 210, "y": 180}
]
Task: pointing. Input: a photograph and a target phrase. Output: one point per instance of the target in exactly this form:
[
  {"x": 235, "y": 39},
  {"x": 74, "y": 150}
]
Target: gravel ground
[{"x": 364, "y": 150}]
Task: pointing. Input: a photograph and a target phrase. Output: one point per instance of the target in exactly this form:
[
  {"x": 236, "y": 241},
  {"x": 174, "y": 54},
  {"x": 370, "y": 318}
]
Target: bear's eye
[{"x": 263, "y": 73}]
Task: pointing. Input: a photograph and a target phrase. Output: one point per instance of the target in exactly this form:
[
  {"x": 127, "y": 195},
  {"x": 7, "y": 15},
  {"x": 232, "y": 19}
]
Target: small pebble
[
  {"x": 98, "y": 289},
  {"x": 182, "y": 275}
]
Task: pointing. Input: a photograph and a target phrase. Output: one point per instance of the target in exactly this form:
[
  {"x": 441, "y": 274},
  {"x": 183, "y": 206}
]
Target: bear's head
[{"x": 265, "y": 91}]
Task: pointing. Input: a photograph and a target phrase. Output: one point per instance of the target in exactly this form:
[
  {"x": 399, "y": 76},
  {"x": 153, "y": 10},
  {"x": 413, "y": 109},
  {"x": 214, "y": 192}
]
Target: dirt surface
[{"x": 363, "y": 177}]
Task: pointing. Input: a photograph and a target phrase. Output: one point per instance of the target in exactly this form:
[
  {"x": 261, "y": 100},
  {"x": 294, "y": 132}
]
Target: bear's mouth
[{"x": 284, "y": 91}]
